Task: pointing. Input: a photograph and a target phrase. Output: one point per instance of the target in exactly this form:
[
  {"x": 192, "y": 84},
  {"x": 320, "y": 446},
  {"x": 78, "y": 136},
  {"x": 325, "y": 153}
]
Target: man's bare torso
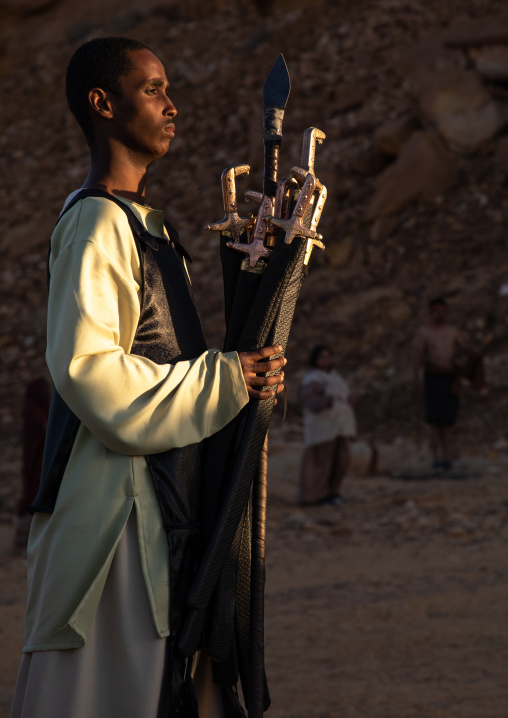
[{"x": 438, "y": 345}]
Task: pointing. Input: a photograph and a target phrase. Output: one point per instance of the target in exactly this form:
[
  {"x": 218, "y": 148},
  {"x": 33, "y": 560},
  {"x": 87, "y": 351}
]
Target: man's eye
[{"x": 152, "y": 90}]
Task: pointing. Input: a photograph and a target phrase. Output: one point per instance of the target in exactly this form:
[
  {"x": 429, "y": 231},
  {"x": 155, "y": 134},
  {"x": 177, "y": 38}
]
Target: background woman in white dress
[{"x": 329, "y": 424}]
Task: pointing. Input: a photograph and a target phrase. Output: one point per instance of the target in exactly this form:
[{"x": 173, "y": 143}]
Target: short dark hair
[
  {"x": 438, "y": 301},
  {"x": 313, "y": 357},
  {"x": 98, "y": 63}
]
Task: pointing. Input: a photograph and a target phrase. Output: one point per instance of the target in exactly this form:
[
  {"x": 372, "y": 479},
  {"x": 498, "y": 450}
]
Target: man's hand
[{"x": 256, "y": 362}]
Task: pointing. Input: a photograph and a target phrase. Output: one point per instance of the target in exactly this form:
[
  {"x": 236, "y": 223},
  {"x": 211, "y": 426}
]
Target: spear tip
[{"x": 277, "y": 84}]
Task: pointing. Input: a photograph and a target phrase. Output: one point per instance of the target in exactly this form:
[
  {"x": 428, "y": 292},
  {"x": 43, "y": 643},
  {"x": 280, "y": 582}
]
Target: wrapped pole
[
  {"x": 257, "y": 637},
  {"x": 275, "y": 95}
]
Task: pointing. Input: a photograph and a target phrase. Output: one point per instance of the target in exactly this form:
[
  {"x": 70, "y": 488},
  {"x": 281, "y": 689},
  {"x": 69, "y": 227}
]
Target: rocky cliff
[{"x": 413, "y": 97}]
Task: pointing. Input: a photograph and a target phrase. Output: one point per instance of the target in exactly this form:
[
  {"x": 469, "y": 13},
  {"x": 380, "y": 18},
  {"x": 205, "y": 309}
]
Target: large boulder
[
  {"x": 369, "y": 161},
  {"x": 348, "y": 97},
  {"x": 363, "y": 459},
  {"x": 491, "y": 30},
  {"x": 392, "y": 135},
  {"x": 423, "y": 170},
  {"x": 460, "y": 107},
  {"x": 338, "y": 255},
  {"x": 490, "y": 61},
  {"x": 430, "y": 55},
  {"x": 382, "y": 228},
  {"x": 27, "y": 7},
  {"x": 501, "y": 155}
]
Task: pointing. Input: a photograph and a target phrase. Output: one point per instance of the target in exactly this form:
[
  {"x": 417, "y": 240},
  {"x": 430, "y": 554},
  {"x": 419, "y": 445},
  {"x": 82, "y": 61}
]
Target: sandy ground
[{"x": 392, "y": 606}]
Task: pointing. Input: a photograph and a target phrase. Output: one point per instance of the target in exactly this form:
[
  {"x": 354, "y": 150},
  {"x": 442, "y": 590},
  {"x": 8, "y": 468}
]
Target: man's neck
[{"x": 118, "y": 174}]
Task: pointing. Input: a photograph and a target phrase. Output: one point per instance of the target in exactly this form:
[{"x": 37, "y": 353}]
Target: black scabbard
[
  {"x": 220, "y": 614},
  {"x": 283, "y": 273}
]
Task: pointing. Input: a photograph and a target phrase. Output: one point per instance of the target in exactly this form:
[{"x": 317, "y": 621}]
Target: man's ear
[{"x": 100, "y": 103}]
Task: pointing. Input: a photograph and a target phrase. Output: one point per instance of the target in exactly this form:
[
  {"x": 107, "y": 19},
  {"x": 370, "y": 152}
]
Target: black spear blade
[
  {"x": 275, "y": 95},
  {"x": 277, "y": 84}
]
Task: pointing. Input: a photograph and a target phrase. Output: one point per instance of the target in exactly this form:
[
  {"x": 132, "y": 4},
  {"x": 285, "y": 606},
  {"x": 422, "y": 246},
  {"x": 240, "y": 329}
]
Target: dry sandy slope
[{"x": 392, "y": 606}]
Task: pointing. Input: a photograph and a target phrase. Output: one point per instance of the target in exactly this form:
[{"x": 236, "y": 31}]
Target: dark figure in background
[
  {"x": 329, "y": 425},
  {"x": 35, "y": 419},
  {"x": 436, "y": 347}
]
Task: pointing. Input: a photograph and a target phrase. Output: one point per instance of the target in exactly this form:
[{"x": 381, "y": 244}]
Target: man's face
[
  {"x": 324, "y": 360},
  {"x": 439, "y": 313},
  {"x": 143, "y": 114}
]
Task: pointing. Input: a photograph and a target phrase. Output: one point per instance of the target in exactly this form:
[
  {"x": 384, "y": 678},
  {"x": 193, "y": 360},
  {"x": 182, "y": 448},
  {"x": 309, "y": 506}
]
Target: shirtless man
[{"x": 436, "y": 344}]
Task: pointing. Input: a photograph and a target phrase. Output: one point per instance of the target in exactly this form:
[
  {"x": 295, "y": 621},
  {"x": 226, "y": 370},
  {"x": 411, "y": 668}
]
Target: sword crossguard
[
  {"x": 318, "y": 208},
  {"x": 256, "y": 249},
  {"x": 316, "y": 216},
  {"x": 283, "y": 196},
  {"x": 311, "y": 137},
  {"x": 311, "y": 243},
  {"x": 252, "y": 196},
  {"x": 300, "y": 174},
  {"x": 294, "y": 227},
  {"x": 232, "y": 222}
]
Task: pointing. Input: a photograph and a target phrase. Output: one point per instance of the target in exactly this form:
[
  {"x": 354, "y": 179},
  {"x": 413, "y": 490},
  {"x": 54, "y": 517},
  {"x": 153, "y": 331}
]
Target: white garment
[
  {"x": 118, "y": 673},
  {"x": 336, "y": 420}
]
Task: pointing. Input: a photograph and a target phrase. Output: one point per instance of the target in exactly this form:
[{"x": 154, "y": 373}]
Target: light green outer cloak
[{"x": 128, "y": 406}]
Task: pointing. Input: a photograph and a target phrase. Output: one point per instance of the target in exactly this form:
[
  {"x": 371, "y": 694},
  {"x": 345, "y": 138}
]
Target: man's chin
[
  {"x": 165, "y": 146},
  {"x": 159, "y": 152}
]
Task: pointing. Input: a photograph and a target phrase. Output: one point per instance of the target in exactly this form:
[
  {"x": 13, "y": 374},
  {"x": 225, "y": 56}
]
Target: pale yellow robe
[{"x": 129, "y": 407}]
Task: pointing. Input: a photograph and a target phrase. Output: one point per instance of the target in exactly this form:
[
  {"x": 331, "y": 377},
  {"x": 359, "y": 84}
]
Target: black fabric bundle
[{"x": 259, "y": 313}]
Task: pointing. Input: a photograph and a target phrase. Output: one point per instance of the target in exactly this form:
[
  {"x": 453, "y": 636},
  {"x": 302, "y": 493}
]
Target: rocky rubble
[
  {"x": 460, "y": 107},
  {"x": 413, "y": 99},
  {"x": 423, "y": 170}
]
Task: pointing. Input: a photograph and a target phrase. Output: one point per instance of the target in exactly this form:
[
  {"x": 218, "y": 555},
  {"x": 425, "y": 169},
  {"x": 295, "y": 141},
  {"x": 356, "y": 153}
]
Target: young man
[
  {"x": 435, "y": 350},
  {"x": 135, "y": 387}
]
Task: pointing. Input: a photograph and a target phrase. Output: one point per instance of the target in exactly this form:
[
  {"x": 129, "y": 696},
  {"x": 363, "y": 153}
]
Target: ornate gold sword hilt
[
  {"x": 232, "y": 223},
  {"x": 311, "y": 137},
  {"x": 253, "y": 196},
  {"x": 285, "y": 188},
  {"x": 294, "y": 227},
  {"x": 256, "y": 249},
  {"x": 319, "y": 200}
]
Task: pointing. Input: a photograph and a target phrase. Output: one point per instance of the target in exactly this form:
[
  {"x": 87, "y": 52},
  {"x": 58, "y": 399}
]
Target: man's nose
[{"x": 170, "y": 109}]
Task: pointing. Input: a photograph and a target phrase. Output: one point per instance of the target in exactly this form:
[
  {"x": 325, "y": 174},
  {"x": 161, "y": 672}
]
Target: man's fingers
[
  {"x": 256, "y": 394},
  {"x": 254, "y": 369},
  {"x": 265, "y": 380},
  {"x": 257, "y": 354},
  {"x": 263, "y": 367}
]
